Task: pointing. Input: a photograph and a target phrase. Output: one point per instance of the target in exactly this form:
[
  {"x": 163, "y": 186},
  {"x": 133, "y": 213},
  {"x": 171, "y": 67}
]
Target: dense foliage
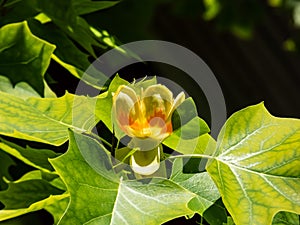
[{"x": 251, "y": 173}]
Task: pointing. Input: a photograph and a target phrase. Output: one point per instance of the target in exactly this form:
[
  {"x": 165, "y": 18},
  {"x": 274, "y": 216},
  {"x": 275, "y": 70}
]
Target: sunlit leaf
[
  {"x": 58, "y": 208},
  {"x": 31, "y": 175},
  {"x": 20, "y": 51},
  {"x": 113, "y": 200},
  {"x": 46, "y": 119},
  {"x": 22, "y": 89},
  {"x": 297, "y": 14},
  {"x": 256, "y": 165},
  {"x": 212, "y": 9},
  {"x": 65, "y": 17}
]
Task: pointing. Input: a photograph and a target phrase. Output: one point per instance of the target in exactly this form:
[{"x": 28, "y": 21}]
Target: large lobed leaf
[
  {"x": 46, "y": 120},
  {"x": 256, "y": 166},
  {"x": 61, "y": 23},
  {"x": 23, "y": 56},
  {"x": 103, "y": 197}
]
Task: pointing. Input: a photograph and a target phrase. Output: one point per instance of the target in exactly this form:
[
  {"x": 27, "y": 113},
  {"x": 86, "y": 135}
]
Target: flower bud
[{"x": 145, "y": 115}]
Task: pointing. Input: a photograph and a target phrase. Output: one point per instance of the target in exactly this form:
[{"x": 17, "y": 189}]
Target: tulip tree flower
[{"x": 145, "y": 116}]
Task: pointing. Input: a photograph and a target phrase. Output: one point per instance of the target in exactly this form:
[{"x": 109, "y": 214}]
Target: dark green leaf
[
  {"x": 216, "y": 214},
  {"x": 22, "y": 51},
  {"x": 67, "y": 54},
  {"x": 53, "y": 200},
  {"x": 88, "y": 6},
  {"x": 5, "y": 162},
  {"x": 286, "y": 218},
  {"x": 37, "y": 158},
  {"x": 229, "y": 221},
  {"x": 18, "y": 11},
  {"x": 23, "y": 194}
]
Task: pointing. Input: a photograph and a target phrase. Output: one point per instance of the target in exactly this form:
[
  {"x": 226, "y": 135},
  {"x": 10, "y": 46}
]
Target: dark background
[{"x": 250, "y": 68}]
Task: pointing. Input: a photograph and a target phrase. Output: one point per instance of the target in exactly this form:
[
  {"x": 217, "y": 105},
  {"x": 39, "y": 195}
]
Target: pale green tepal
[{"x": 145, "y": 116}]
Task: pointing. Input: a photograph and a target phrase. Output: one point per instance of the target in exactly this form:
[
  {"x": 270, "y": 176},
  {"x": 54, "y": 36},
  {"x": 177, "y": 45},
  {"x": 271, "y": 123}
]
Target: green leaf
[
  {"x": 200, "y": 183},
  {"x": 192, "y": 129},
  {"x": 31, "y": 175},
  {"x": 203, "y": 144},
  {"x": 256, "y": 165},
  {"x": 5, "y": 163},
  {"x": 64, "y": 16},
  {"x": 102, "y": 197},
  {"x": 18, "y": 11},
  {"x": 58, "y": 208},
  {"x": 67, "y": 54},
  {"x": 104, "y": 104},
  {"x": 229, "y": 221},
  {"x": 52, "y": 200},
  {"x": 212, "y": 9},
  {"x": 23, "y": 56},
  {"x": 123, "y": 154},
  {"x": 88, "y": 6},
  {"x": 216, "y": 214},
  {"x": 51, "y": 178},
  {"x": 22, "y": 89},
  {"x": 189, "y": 130},
  {"x": 37, "y": 158},
  {"x": 286, "y": 218},
  {"x": 184, "y": 113},
  {"x": 23, "y": 194},
  {"x": 46, "y": 119}
]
